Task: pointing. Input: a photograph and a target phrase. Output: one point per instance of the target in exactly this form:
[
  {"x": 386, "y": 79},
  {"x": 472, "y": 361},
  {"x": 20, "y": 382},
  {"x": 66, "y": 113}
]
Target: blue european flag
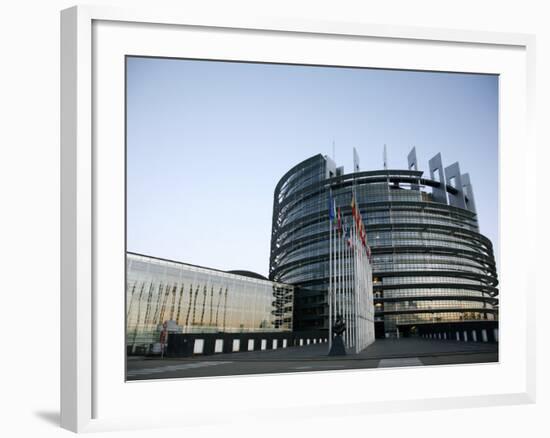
[{"x": 331, "y": 212}]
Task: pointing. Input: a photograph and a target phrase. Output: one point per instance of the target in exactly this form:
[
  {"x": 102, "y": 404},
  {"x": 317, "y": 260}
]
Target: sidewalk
[
  {"x": 384, "y": 353},
  {"x": 380, "y": 349}
]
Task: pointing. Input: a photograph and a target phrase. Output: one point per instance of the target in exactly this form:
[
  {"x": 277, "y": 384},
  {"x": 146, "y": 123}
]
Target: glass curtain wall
[
  {"x": 430, "y": 262},
  {"x": 199, "y": 300}
]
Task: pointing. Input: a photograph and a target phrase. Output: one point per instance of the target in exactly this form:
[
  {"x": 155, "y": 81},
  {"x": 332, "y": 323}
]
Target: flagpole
[
  {"x": 346, "y": 291},
  {"x": 361, "y": 295},
  {"x": 338, "y": 304},
  {"x": 360, "y": 290},
  {"x": 352, "y": 327},
  {"x": 351, "y": 279},
  {"x": 349, "y": 289},
  {"x": 364, "y": 294},
  {"x": 350, "y": 330},
  {"x": 350, "y": 260},
  {"x": 359, "y": 275},
  {"x": 329, "y": 294},
  {"x": 356, "y": 283},
  {"x": 355, "y": 267},
  {"x": 358, "y": 267},
  {"x": 352, "y": 237},
  {"x": 363, "y": 291},
  {"x": 352, "y": 246},
  {"x": 346, "y": 281},
  {"x": 352, "y": 243},
  {"x": 336, "y": 265},
  {"x": 340, "y": 267}
]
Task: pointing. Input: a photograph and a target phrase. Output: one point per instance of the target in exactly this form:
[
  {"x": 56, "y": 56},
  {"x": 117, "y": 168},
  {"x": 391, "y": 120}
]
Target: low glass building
[
  {"x": 196, "y": 300},
  {"x": 433, "y": 271}
]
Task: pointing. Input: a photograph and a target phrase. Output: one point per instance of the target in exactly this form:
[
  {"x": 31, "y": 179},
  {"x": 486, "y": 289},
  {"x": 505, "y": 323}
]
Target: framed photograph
[{"x": 335, "y": 209}]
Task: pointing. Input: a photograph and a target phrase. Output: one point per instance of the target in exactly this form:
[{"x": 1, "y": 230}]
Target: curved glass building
[
  {"x": 197, "y": 302},
  {"x": 433, "y": 272}
]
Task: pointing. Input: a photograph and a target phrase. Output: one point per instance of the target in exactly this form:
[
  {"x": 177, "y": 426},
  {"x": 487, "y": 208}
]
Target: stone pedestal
[{"x": 338, "y": 348}]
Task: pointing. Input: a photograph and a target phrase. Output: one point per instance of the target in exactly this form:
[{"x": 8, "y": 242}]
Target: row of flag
[
  {"x": 350, "y": 277},
  {"x": 342, "y": 227}
]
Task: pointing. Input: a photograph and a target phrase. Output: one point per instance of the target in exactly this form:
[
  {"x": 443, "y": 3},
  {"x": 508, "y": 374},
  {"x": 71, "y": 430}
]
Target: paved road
[{"x": 383, "y": 353}]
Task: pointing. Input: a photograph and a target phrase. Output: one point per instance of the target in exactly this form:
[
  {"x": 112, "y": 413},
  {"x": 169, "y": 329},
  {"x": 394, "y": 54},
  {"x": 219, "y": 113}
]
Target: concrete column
[
  {"x": 435, "y": 165},
  {"x": 468, "y": 193},
  {"x": 453, "y": 178}
]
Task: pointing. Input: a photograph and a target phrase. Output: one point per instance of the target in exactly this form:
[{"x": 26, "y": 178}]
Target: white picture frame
[{"x": 94, "y": 396}]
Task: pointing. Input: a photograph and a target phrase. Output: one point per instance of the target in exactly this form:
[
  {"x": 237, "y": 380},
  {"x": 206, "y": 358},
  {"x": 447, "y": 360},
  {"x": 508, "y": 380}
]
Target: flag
[
  {"x": 362, "y": 233},
  {"x": 345, "y": 231},
  {"x": 339, "y": 223},
  {"x": 369, "y": 254},
  {"x": 330, "y": 207},
  {"x": 355, "y": 212},
  {"x": 348, "y": 237}
]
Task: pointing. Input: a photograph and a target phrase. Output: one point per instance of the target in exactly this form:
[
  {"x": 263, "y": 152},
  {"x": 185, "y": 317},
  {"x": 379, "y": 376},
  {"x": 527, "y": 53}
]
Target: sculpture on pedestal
[{"x": 338, "y": 329}]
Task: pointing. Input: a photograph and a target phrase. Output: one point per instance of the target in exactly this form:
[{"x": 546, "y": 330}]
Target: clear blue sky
[{"x": 208, "y": 141}]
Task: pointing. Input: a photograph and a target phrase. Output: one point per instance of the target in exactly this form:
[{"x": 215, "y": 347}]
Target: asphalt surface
[{"x": 382, "y": 354}]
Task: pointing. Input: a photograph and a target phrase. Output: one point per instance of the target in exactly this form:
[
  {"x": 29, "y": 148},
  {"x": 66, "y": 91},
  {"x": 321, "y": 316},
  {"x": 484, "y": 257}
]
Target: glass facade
[
  {"x": 430, "y": 262},
  {"x": 199, "y": 300}
]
